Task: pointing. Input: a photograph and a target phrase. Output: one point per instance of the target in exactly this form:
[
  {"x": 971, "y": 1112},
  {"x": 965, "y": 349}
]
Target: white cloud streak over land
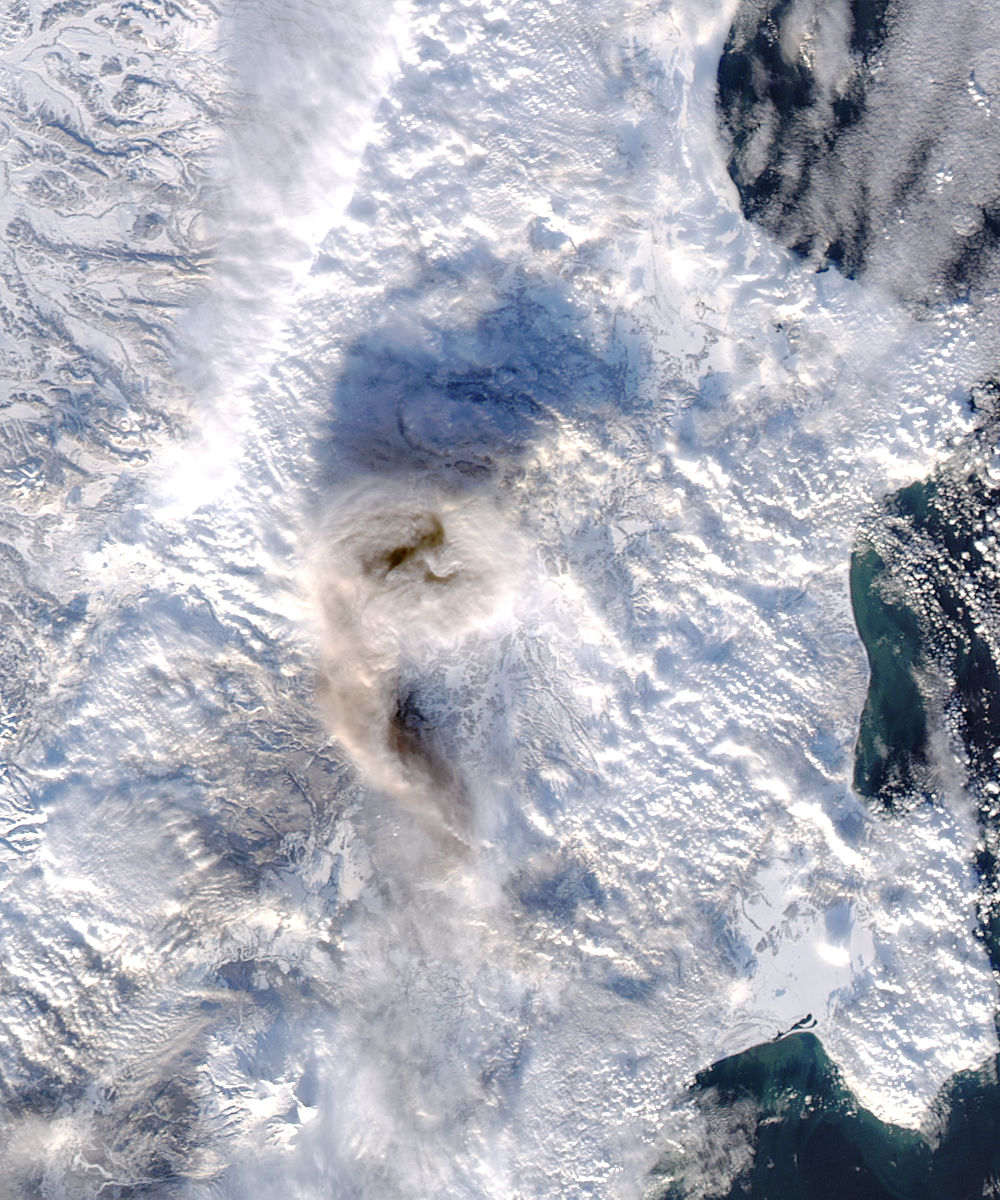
[{"x": 479, "y": 267}]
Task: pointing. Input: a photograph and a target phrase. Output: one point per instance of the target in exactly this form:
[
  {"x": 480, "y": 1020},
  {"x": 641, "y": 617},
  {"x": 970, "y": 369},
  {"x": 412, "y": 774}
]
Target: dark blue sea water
[
  {"x": 807, "y": 147},
  {"x": 498, "y": 584}
]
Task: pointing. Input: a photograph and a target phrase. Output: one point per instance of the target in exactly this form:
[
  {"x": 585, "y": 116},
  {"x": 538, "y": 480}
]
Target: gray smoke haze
[{"x": 416, "y": 586}]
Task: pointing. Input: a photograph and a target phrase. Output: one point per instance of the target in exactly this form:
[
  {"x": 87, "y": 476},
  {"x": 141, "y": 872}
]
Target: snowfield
[{"x": 429, "y": 677}]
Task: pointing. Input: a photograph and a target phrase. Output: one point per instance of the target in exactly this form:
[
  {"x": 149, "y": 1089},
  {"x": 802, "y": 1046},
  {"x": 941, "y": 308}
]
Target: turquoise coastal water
[
  {"x": 916, "y": 574},
  {"x": 813, "y": 1141},
  {"x": 893, "y": 735},
  {"x": 835, "y": 164}
]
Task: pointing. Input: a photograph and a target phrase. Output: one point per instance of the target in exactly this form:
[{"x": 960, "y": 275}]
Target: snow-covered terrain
[{"x": 429, "y": 677}]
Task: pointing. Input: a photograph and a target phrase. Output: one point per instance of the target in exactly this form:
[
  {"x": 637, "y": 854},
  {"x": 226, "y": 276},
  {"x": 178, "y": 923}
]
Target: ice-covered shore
[{"x": 279, "y": 268}]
